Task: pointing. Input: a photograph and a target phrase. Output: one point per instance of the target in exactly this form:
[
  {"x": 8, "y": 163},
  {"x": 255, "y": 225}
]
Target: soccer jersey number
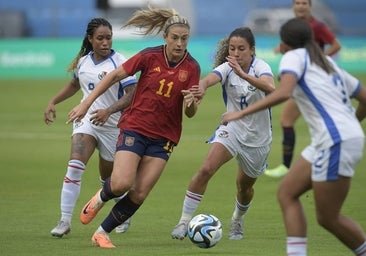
[
  {"x": 243, "y": 102},
  {"x": 165, "y": 88}
]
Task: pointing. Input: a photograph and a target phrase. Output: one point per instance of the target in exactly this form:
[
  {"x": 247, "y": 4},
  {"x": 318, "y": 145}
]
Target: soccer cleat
[
  {"x": 102, "y": 240},
  {"x": 180, "y": 231},
  {"x": 91, "y": 209},
  {"x": 62, "y": 228},
  {"x": 277, "y": 172},
  {"x": 236, "y": 230},
  {"x": 124, "y": 226}
]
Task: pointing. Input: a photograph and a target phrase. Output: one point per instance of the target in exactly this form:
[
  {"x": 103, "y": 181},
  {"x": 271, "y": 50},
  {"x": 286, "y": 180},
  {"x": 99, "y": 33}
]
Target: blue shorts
[{"x": 144, "y": 146}]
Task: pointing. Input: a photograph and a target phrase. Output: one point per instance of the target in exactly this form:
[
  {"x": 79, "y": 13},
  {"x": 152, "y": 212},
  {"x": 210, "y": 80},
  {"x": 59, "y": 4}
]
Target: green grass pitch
[{"x": 33, "y": 162}]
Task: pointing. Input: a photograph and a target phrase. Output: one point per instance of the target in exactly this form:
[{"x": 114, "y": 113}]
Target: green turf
[{"x": 33, "y": 161}]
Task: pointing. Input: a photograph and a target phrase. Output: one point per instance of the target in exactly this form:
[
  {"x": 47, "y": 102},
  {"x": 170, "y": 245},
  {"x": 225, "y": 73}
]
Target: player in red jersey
[
  {"x": 152, "y": 124},
  {"x": 290, "y": 113}
]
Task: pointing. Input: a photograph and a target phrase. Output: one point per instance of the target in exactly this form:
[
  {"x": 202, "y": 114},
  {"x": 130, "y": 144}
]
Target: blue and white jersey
[
  {"x": 89, "y": 73},
  {"x": 253, "y": 130},
  {"x": 323, "y": 99}
]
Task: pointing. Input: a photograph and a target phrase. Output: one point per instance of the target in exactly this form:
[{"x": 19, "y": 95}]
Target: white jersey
[
  {"x": 253, "y": 130},
  {"x": 89, "y": 73},
  {"x": 323, "y": 99}
]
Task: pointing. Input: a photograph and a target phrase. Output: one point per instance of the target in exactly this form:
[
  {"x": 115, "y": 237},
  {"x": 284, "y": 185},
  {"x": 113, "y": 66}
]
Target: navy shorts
[{"x": 144, "y": 146}]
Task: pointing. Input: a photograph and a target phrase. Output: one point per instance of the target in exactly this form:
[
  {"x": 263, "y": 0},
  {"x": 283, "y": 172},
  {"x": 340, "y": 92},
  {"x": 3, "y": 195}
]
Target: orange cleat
[
  {"x": 102, "y": 240},
  {"x": 91, "y": 209}
]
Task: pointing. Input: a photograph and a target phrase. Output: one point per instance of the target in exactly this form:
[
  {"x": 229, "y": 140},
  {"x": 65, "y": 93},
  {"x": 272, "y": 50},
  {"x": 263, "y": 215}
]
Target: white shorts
[
  {"x": 338, "y": 160},
  {"x": 106, "y": 137},
  {"x": 253, "y": 160}
]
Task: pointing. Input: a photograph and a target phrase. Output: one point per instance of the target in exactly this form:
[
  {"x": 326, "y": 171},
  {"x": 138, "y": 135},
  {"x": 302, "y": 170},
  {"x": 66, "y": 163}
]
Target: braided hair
[{"x": 86, "y": 46}]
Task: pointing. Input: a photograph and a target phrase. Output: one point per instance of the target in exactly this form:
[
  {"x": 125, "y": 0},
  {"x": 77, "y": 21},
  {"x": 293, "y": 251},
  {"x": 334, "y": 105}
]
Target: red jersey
[
  {"x": 322, "y": 35},
  {"x": 157, "y": 108}
]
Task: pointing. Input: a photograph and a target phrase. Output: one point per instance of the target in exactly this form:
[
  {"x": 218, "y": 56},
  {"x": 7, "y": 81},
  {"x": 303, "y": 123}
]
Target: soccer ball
[{"x": 205, "y": 230}]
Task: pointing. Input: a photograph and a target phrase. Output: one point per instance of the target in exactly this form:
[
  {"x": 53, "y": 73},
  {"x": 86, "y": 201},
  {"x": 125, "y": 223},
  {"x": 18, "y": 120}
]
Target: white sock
[
  {"x": 71, "y": 188},
  {"x": 190, "y": 204},
  {"x": 240, "y": 210},
  {"x": 296, "y": 246},
  {"x": 361, "y": 250},
  {"x": 100, "y": 230}
]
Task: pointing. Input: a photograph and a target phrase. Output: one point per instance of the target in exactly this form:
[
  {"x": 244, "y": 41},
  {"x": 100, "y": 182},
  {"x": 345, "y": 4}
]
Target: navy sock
[
  {"x": 106, "y": 193},
  {"x": 121, "y": 211},
  {"x": 288, "y": 145}
]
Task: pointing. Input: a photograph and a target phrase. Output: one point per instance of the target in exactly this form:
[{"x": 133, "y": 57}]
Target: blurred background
[
  {"x": 67, "y": 18},
  {"x": 40, "y": 37}
]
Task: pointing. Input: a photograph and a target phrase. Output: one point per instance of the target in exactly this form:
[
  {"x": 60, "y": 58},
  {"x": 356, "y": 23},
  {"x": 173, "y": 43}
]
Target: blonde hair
[{"x": 154, "y": 21}]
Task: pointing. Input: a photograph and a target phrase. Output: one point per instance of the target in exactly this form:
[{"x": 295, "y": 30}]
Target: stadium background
[{"x": 39, "y": 38}]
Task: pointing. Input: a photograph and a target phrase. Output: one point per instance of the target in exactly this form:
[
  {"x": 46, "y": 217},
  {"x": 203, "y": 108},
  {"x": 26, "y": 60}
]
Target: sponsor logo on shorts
[
  {"x": 78, "y": 124},
  {"x": 223, "y": 134}
]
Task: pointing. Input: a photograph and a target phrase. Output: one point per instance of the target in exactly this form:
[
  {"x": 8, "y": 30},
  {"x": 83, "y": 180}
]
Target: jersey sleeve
[
  {"x": 352, "y": 84},
  {"x": 130, "y": 80},
  {"x": 262, "y": 68},
  {"x": 222, "y": 71},
  {"x": 196, "y": 74},
  {"x": 292, "y": 62},
  {"x": 133, "y": 64}
]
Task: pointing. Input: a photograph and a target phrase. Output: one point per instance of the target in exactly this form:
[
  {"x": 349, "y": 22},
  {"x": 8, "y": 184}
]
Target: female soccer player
[
  {"x": 94, "y": 60},
  {"x": 322, "y": 91},
  {"x": 151, "y": 126},
  {"x": 290, "y": 113},
  {"x": 245, "y": 79}
]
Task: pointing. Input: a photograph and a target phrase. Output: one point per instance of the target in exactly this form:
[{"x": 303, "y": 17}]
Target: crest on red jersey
[
  {"x": 183, "y": 75},
  {"x": 129, "y": 141}
]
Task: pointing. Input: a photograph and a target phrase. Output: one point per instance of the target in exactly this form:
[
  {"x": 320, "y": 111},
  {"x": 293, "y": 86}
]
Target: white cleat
[
  {"x": 62, "y": 228},
  {"x": 124, "y": 226},
  {"x": 180, "y": 231}
]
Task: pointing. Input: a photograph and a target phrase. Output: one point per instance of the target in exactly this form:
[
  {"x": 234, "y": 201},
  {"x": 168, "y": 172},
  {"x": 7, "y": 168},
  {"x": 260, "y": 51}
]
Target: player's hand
[
  {"x": 49, "y": 115},
  {"x": 77, "y": 113},
  {"x": 99, "y": 116},
  {"x": 197, "y": 92},
  {"x": 233, "y": 63},
  {"x": 230, "y": 116},
  {"x": 188, "y": 97}
]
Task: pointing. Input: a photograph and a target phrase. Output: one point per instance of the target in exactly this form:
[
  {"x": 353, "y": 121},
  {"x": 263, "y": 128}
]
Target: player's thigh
[
  {"x": 105, "y": 168},
  {"x": 82, "y": 146},
  {"x": 124, "y": 170},
  {"x": 296, "y": 182},
  {"x": 329, "y": 197},
  {"x": 148, "y": 174},
  {"x": 83, "y": 141},
  {"x": 290, "y": 113}
]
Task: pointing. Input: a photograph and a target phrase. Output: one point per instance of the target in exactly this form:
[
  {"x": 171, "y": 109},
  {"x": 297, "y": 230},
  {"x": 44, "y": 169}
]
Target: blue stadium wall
[{"x": 67, "y": 18}]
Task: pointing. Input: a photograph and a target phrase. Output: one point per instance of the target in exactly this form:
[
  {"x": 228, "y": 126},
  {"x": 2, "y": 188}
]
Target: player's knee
[
  {"x": 283, "y": 195},
  {"x": 326, "y": 221},
  {"x": 205, "y": 172}
]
